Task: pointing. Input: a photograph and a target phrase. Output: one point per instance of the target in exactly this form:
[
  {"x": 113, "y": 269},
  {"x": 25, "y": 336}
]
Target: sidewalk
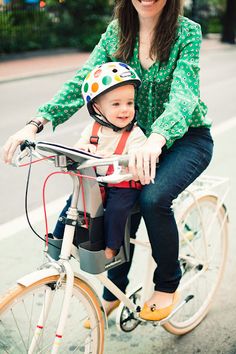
[
  {"x": 47, "y": 63},
  {"x": 40, "y": 65}
]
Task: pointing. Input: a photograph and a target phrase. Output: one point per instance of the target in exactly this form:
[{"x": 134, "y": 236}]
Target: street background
[{"x": 28, "y": 82}]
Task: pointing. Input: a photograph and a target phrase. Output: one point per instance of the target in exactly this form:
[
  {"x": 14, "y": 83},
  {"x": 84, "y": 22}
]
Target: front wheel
[
  {"x": 203, "y": 234},
  {"x": 21, "y": 308}
]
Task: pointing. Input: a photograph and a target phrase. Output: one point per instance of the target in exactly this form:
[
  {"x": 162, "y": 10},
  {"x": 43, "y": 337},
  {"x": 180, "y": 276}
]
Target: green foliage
[
  {"x": 83, "y": 22},
  {"x": 79, "y": 23},
  {"x": 215, "y": 25},
  {"x": 20, "y": 33},
  {"x": 209, "y": 13},
  {"x": 68, "y": 23},
  {"x": 219, "y": 5}
]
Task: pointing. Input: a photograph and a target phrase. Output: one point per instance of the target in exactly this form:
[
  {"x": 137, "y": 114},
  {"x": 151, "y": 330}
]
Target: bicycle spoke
[
  {"x": 202, "y": 258},
  {"x": 20, "y": 323}
]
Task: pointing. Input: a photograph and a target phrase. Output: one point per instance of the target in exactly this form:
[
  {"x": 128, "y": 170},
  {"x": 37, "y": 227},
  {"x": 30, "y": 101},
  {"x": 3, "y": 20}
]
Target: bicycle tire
[
  {"x": 213, "y": 246},
  {"x": 19, "y": 313}
]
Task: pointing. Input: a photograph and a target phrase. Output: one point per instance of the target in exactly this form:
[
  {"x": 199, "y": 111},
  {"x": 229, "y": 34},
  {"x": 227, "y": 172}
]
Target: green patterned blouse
[{"x": 168, "y": 100}]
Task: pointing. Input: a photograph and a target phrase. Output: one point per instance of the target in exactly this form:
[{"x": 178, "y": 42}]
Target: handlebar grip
[{"x": 115, "y": 178}]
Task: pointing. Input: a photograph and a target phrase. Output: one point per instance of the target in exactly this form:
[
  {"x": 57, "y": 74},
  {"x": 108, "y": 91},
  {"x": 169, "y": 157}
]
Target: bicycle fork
[
  {"x": 42, "y": 319},
  {"x": 65, "y": 307},
  {"x": 49, "y": 294},
  {"x": 65, "y": 271}
]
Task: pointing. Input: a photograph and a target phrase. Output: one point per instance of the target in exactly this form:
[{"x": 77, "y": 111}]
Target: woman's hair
[{"x": 164, "y": 34}]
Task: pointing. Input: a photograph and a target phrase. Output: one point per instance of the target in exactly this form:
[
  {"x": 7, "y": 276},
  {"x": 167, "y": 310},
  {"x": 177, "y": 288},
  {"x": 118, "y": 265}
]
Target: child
[{"x": 109, "y": 91}]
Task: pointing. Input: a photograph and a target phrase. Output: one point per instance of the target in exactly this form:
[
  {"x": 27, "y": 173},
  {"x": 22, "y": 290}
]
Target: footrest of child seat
[{"x": 95, "y": 262}]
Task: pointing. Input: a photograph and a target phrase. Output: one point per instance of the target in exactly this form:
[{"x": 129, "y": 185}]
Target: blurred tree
[
  {"x": 194, "y": 10},
  {"x": 25, "y": 25},
  {"x": 229, "y": 22},
  {"x": 80, "y": 23},
  {"x": 198, "y": 11}
]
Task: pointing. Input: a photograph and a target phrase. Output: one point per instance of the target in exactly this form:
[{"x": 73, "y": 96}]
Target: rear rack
[{"x": 209, "y": 183}]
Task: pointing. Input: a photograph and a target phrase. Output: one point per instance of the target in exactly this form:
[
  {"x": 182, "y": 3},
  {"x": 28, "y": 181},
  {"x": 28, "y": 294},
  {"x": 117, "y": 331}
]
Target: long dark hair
[{"x": 164, "y": 34}]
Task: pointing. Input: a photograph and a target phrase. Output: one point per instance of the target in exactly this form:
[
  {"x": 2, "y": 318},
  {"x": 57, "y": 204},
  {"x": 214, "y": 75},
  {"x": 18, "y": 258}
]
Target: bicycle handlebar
[
  {"x": 122, "y": 160},
  {"x": 29, "y": 148}
]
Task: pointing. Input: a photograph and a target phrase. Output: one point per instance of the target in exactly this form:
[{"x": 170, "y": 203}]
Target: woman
[{"x": 163, "y": 48}]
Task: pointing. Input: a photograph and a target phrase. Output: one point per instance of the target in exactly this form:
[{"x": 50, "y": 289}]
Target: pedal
[{"x": 188, "y": 237}]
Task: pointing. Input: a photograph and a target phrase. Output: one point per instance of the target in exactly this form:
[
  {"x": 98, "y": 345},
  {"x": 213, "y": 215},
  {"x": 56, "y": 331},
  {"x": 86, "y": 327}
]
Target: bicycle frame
[
  {"x": 63, "y": 266},
  {"x": 64, "y": 269}
]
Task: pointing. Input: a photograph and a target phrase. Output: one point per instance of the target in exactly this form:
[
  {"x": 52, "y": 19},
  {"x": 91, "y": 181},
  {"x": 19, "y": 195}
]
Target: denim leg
[
  {"x": 119, "y": 275},
  {"x": 178, "y": 167},
  {"x": 60, "y": 226}
]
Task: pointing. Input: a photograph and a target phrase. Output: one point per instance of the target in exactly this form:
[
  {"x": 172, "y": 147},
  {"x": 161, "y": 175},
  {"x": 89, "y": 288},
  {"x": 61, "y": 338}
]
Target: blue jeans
[{"x": 178, "y": 167}]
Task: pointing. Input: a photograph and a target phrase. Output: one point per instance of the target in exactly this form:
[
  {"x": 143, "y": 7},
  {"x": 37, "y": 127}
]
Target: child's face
[{"x": 117, "y": 105}]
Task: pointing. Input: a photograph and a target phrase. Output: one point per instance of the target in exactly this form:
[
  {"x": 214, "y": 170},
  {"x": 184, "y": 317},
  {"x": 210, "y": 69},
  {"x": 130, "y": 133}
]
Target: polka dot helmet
[{"x": 106, "y": 77}]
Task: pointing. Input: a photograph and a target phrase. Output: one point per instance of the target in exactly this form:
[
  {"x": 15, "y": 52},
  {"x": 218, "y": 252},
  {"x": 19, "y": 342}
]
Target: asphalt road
[{"x": 20, "y": 252}]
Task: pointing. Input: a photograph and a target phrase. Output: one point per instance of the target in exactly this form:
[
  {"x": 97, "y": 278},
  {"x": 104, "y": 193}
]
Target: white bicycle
[{"x": 45, "y": 311}]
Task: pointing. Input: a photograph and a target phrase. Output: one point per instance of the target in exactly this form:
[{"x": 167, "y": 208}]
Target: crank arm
[{"x": 176, "y": 309}]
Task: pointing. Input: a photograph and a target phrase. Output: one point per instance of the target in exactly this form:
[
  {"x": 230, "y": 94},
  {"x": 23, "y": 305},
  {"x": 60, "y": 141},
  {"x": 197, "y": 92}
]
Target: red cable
[
  {"x": 44, "y": 202},
  {"x": 83, "y": 196},
  {"x": 44, "y": 188},
  {"x": 30, "y": 163},
  {"x": 83, "y": 200}
]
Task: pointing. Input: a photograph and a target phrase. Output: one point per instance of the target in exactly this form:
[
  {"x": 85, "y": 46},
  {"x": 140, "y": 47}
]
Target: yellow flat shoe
[
  {"x": 154, "y": 313},
  {"x": 111, "y": 309}
]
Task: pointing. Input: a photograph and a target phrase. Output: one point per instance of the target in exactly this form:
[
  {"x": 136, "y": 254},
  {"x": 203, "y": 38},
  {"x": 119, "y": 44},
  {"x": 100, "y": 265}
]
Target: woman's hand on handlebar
[
  {"x": 142, "y": 161},
  {"x": 26, "y": 133}
]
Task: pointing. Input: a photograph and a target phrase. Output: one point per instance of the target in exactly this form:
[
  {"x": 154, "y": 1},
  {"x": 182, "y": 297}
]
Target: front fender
[{"x": 33, "y": 277}]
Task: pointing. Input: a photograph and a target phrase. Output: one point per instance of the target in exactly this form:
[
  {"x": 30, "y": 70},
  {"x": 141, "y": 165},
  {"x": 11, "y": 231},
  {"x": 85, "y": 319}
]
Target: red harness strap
[
  {"x": 118, "y": 151},
  {"x": 94, "y": 137}
]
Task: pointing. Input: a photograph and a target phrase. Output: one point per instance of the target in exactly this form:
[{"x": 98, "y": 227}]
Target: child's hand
[{"x": 86, "y": 147}]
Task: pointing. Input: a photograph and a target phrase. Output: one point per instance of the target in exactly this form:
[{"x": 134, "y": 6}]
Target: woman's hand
[
  {"x": 142, "y": 161},
  {"x": 26, "y": 133},
  {"x": 9, "y": 148}
]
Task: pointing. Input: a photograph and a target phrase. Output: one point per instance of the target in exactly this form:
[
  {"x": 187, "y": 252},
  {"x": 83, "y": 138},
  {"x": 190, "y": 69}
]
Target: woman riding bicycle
[{"x": 163, "y": 47}]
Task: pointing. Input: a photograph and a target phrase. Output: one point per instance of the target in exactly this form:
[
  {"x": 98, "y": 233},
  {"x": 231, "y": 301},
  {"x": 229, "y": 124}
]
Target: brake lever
[
  {"x": 25, "y": 151},
  {"x": 20, "y": 157},
  {"x": 27, "y": 144}
]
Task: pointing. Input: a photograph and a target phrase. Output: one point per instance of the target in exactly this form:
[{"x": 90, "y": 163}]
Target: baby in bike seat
[{"x": 109, "y": 93}]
